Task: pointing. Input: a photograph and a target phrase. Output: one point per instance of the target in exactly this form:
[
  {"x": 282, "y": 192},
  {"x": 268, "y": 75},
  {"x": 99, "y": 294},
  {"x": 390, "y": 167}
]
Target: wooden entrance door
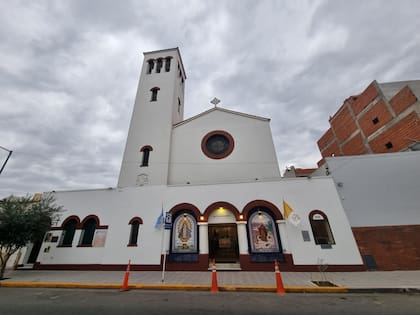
[{"x": 223, "y": 243}]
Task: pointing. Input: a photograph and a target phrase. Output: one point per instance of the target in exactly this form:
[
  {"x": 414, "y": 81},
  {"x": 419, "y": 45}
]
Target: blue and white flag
[{"x": 159, "y": 221}]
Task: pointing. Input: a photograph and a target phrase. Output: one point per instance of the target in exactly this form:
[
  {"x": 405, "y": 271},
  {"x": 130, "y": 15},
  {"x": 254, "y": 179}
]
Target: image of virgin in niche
[
  {"x": 184, "y": 234},
  {"x": 263, "y": 233}
]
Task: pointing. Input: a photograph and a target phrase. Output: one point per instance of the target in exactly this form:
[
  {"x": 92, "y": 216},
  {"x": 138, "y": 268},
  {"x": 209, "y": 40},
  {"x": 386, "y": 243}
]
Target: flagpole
[
  {"x": 163, "y": 248},
  {"x": 164, "y": 259}
]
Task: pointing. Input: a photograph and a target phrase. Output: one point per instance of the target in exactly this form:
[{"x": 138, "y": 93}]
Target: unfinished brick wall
[
  {"x": 360, "y": 102},
  {"x": 374, "y": 118},
  {"x": 354, "y": 146},
  {"x": 400, "y": 135},
  {"x": 343, "y": 124},
  {"x": 403, "y": 99},
  {"x": 383, "y": 126},
  {"x": 392, "y": 247},
  {"x": 326, "y": 138},
  {"x": 332, "y": 149}
]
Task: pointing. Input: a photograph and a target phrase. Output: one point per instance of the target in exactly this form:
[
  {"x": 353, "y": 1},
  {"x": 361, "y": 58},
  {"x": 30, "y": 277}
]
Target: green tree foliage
[{"x": 24, "y": 220}]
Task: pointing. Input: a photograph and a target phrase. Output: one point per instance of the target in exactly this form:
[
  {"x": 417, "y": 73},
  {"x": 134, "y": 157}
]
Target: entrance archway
[{"x": 223, "y": 236}]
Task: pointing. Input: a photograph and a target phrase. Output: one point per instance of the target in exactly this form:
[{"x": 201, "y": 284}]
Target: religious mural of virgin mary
[
  {"x": 262, "y": 232},
  {"x": 184, "y": 238}
]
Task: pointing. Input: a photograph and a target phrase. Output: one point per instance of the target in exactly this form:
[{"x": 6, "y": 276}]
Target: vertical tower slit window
[
  {"x": 159, "y": 65},
  {"x": 168, "y": 64},
  {"x": 154, "y": 94},
  {"x": 150, "y": 66},
  {"x": 146, "y": 155}
]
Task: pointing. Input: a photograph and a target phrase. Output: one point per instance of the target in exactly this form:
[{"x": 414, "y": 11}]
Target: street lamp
[{"x": 7, "y": 159}]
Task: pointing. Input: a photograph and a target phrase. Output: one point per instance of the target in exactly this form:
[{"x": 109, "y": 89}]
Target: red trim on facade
[
  {"x": 262, "y": 203},
  {"x": 140, "y": 220},
  {"x": 223, "y": 204},
  {"x": 155, "y": 88},
  {"x": 131, "y": 245},
  {"x": 72, "y": 217},
  {"x": 217, "y": 156},
  {"x": 313, "y": 212},
  {"x": 186, "y": 206},
  {"x": 56, "y": 228},
  {"x": 98, "y": 225},
  {"x": 146, "y": 147}
]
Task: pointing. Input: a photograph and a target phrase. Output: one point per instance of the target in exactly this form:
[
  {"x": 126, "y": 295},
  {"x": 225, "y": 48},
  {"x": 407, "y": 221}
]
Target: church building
[{"x": 195, "y": 190}]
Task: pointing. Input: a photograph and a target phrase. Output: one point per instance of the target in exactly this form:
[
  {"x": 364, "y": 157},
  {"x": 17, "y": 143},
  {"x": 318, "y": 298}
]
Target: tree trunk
[{"x": 4, "y": 259}]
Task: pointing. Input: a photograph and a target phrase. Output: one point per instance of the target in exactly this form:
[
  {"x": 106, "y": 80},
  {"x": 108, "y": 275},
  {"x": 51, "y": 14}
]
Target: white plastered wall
[
  {"x": 253, "y": 156},
  {"x": 379, "y": 189},
  {"x": 115, "y": 208}
]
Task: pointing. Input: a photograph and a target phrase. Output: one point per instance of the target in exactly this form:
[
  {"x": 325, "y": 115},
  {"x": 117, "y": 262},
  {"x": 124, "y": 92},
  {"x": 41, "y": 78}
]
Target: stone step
[
  {"x": 225, "y": 266},
  {"x": 25, "y": 267}
]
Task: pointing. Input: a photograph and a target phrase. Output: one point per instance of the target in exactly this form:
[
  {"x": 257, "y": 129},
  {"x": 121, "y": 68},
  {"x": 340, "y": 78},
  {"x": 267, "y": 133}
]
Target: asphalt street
[{"x": 19, "y": 301}]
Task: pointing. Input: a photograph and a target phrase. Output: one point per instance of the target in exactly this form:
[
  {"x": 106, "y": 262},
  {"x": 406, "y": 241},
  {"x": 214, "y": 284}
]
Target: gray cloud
[{"x": 69, "y": 72}]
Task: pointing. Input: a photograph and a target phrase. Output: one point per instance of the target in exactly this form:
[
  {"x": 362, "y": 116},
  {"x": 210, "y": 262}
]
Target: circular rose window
[{"x": 217, "y": 144}]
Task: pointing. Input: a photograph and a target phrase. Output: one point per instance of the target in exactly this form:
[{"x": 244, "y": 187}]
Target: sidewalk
[{"x": 375, "y": 281}]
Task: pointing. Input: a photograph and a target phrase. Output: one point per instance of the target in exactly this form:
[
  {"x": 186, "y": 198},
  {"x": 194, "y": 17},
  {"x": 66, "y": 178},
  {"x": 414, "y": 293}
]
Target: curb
[
  {"x": 384, "y": 290},
  {"x": 198, "y": 287},
  {"x": 179, "y": 287}
]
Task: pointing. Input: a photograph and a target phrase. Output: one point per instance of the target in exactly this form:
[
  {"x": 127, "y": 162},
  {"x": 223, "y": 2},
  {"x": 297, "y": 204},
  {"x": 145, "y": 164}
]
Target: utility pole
[{"x": 7, "y": 159}]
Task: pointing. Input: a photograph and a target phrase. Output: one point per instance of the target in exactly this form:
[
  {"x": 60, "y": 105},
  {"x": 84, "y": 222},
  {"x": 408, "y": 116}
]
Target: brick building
[
  {"x": 379, "y": 192},
  {"x": 383, "y": 118}
]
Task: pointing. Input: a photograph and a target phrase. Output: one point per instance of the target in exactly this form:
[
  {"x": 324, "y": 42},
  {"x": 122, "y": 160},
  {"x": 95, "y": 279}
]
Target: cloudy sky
[{"x": 69, "y": 72}]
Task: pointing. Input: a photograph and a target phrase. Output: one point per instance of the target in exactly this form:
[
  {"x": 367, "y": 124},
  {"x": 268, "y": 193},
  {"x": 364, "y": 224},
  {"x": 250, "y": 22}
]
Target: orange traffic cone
[
  {"x": 279, "y": 282},
  {"x": 127, "y": 274},
  {"x": 214, "y": 286}
]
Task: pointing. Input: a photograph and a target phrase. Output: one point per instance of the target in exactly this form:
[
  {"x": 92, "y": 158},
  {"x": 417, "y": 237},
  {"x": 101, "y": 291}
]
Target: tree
[{"x": 24, "y": 220}]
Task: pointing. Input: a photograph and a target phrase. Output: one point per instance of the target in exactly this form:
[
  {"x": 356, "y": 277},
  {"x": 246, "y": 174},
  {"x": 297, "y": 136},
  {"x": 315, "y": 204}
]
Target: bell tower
[{"x": 158, "y": 106}]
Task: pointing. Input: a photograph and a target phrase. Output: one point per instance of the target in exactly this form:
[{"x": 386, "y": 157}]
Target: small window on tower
[
  {"x": 389, "y": 145},
  {"x": 145, "y": 160},
  {"x": 159, "y": 65},
  {"x": 154, "y": 94},
  {"x": 146, "y": 154},
  {"x": 375, "y": 120},
  {"x": 168, "y": 64},
  {"x": 151, "y": 64},
  {"x": 179, "y": 105}
]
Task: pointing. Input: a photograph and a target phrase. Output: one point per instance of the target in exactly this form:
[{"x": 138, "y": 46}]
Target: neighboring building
[
  {"x": 292, "y": 172},
  {"x": 383, "y": 118},
  {"x": 380, "y": 194},
  {"x": 217, "y": 176}
]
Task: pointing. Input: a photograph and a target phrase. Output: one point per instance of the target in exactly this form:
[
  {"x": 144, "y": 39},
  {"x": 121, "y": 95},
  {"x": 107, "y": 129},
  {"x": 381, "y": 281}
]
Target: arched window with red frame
[
  {"x": 134, "y": 231},
  {"x": 89, "y": 225},
  {"x": 321, "y": 228},
  {"x": 69, "y": 229}
]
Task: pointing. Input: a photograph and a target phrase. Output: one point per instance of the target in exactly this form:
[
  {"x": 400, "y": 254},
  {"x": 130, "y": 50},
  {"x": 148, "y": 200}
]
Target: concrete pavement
[{"x": 373, "y": 281}]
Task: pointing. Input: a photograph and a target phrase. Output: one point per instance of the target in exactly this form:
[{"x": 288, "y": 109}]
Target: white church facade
[{"x": 217, "y": 177}]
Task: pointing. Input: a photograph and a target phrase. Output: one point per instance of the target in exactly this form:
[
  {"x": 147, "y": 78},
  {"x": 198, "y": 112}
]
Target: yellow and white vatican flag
[{"x": 290, "y": 214}]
